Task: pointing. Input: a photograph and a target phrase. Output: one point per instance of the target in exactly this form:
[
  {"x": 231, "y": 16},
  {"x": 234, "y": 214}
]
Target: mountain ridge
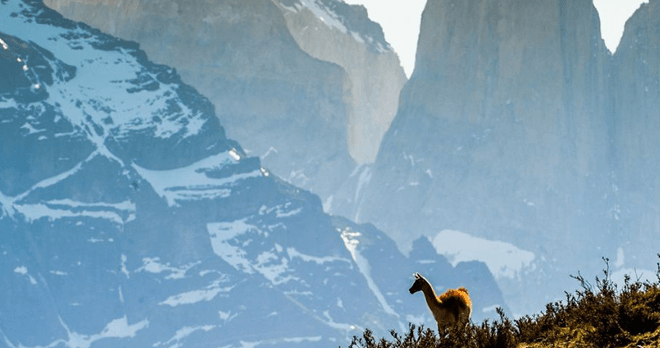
[
  {"x": 243, "y": 57},
  {"x": 128, "y": 216}
]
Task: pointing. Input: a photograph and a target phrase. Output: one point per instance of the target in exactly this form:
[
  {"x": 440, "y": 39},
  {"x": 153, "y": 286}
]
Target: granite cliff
[
  {"x": 503, "y": 132},
  {"x": 333, "y": 31},
  {"x": 636, "y": 86}
]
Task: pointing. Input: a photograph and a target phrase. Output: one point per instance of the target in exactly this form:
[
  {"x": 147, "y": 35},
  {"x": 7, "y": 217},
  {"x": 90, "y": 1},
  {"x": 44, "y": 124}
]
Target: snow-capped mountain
[
  {"x": 336, "y": 32},
  {"x": 282, "y": 105},
  {"x": 518, "y": 129},
  {"x": 128, "y": 218}
]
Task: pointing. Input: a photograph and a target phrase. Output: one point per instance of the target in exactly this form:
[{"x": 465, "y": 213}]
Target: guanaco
[{"x": 453, "y": 307}]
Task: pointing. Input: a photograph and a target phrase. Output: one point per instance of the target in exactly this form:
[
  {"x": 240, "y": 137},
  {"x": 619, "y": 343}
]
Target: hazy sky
[{"x": 400, "y": 21}]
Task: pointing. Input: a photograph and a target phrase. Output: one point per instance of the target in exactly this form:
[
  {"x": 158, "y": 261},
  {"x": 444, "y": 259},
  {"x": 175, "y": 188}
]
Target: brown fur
[{"x": 453, "y": 307}]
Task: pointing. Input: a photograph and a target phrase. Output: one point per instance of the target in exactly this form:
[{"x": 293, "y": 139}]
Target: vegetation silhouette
[{"x": 597, "y": 315}]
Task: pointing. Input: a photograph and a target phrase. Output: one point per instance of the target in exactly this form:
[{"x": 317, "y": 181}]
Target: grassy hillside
[{"x": 600, "y": 315}]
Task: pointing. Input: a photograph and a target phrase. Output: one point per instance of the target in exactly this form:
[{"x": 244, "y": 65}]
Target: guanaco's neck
[{"x": 429, "y": 295}]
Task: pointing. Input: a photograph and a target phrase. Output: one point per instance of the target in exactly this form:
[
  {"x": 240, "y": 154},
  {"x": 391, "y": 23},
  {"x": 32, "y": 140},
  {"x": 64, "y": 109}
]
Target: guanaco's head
[{"x": 418, "y": 284}]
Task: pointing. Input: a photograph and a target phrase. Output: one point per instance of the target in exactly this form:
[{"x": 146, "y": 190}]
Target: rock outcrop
[{"x": 336, "y": 32}]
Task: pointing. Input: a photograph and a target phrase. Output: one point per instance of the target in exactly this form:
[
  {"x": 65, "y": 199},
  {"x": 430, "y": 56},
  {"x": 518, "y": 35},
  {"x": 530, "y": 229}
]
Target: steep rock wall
[
  {"x": 333, "y": 31},
  {"x": 637, "y": 103},
  {"x": 502, "y": 132}
]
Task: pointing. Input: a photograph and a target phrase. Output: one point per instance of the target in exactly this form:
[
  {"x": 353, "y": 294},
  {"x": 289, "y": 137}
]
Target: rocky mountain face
[
  {"x": 128, "y": 218},
  {"x": 253, "y": 58},
  {"x": 336, "y": 32},
  {"x": 518, "y": 126},
  {"x": 636, "y": 86},
  {"x": 287, "y": 108}
]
